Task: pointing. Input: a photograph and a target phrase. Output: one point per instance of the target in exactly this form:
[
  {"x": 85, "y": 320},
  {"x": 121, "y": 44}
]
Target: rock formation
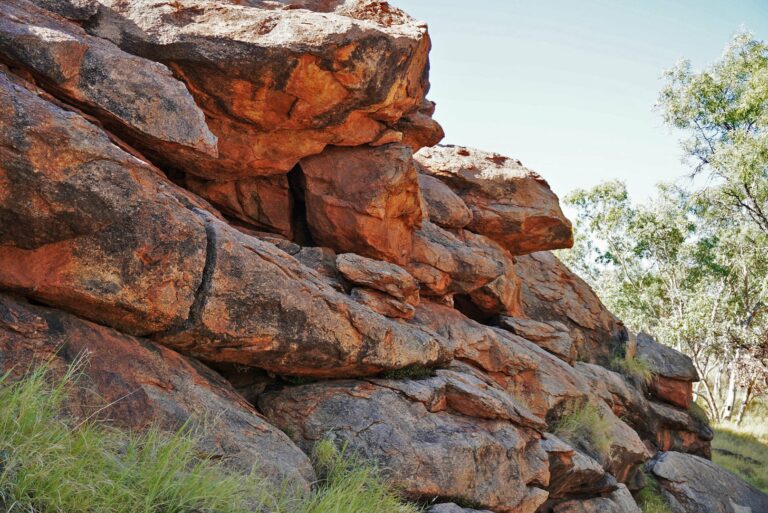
[{"x": 210, "y": 197}]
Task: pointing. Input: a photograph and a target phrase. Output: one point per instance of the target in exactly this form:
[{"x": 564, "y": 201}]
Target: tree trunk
[
  {"x": 745, "y": 400},
  {"x": 730, "y": 394}
]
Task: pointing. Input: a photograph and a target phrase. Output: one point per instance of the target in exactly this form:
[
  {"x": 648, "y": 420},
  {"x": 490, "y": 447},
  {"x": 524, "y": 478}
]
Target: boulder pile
[{"x": 214, "y": 198}]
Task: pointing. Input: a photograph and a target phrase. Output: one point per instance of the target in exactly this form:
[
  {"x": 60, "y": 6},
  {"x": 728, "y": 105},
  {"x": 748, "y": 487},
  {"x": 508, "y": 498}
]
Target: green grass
[
  {"x": 50, "y": 463},
  {"x": 584, "y": 424},
  {"x": 650, "y": 498},
  {"x": 635, "y": 368},
  {"x": 744, "y": 451}
]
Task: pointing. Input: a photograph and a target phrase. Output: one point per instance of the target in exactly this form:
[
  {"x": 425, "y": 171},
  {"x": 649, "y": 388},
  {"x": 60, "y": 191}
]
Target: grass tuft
[
  {"x": 410, "y": 372},
  {"x": 52, "y": 464},
  {"x": 585, "y": 425},
  {"x": 650, "y": 498},
  {"x": 635, "y": 368}
]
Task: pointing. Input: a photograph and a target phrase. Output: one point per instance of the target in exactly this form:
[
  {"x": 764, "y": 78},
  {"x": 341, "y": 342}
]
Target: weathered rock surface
[
  {"x": 509, "y": 203},
  {"x": 551, "y": 292},
  {"x": 665, "y": 427},
  {"x": 453, "y": 263},
  {"x": 429, "y": 452},
  {"x": 620, "y": 501},
  {"x": 552, "y": 336},
  {"x": 673, "y": 371},
  {"x": 383, "y": 303},
  {"x": 261, "y": 307},
  {"x": 363, "y": 200},
  {"x": 137, "y": 98},
  {"x": 383, "y": 276},
  {"x": 264, "y": 203},
  {"x": 280, "y": 84},
  {"x": 573, "y": 473},
  {"x": 443, "y": 206},
  {"x": 140, "y": 384},
  {"x": 87, "y": 227},
  {"x": 450, "y": 507},
  {"x": 694, "y": 485}
]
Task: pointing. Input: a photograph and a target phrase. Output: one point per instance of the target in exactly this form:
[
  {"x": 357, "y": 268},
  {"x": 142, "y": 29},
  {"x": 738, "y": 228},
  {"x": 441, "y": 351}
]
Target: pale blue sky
[{"x": 568, "y": 86}]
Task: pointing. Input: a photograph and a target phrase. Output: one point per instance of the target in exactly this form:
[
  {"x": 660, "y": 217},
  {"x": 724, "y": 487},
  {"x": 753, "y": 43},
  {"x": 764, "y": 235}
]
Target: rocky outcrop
[
  {"x": 412, "y": 429},
  {"x": 218, "y": 201},
  {"x": 363, "y": 200},
  {"x": 694, "y": 485},
  {"x": 276, "y": 84},
  {"x": 137, "y": 384},
  {"x": 509, "y": 203},
  {"x": 551, "y": 292}
]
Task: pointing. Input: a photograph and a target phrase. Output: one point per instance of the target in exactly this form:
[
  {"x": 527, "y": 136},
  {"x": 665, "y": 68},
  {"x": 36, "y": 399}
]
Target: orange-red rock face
[
  {"x": 363, "y": 200},
  {"x": 509, "y": 203},
  {"x": 277, "y": 85},
  {"x": 234, "y": 180}
]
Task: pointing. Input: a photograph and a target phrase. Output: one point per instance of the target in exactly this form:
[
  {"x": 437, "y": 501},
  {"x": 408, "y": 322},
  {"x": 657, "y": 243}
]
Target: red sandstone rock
[
  {"x": 620, "y": 501},
  {"x": 551, "y": 292},
  {"x": 428, "y": 450},
  {"x": 552, "y": 336},
  {"x": 382, "y": 303},
  {"x": 443, "y": 206},
  {"x": 137, "y": 98},
  {"x": 137, "y": 384},
  {"x": 509, "y": 203},
  {"x": 382, "y": 276},
  {"x": 279, "y": 84},
  {"x": 263, "y": 202},
  {"x": 363, "y": 200}
]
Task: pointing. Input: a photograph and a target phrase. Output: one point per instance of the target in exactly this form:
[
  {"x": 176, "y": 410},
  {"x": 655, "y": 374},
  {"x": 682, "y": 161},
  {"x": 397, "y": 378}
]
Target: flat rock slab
[{"x": 694, "y": 485}]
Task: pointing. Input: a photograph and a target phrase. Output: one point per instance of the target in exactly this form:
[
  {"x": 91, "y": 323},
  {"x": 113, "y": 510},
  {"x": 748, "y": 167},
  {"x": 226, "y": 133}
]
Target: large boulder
[
  {"x": 278, "y": 84},
  {"x": 620, "y": 501},
  {"x": 443, "y": 206},
  {"x": 665, "y": 427},
  {"x": 694, "y": 485},
  {"x": 91, "y": 229},
  {"x": 551, "y": 292},
  {"x": 673, "y": 372},
  {"x": 135, "y": 97},
  {"x": 411, "y": 428},
  {"x": 509, "y": 203},
  {"x": 136, "y": 384},
  {"x": 87, "y": 227},
  {"x": 363, "y": 200}
]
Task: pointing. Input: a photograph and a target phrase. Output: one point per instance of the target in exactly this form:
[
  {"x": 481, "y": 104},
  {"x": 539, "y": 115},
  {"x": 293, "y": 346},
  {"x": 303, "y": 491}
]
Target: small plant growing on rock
[
  {"x": 636, "y": 368},
  {"x": 650, "y": 498},
  {"x": 583, "y": 424},
  {"x": 410, "y": 372}
]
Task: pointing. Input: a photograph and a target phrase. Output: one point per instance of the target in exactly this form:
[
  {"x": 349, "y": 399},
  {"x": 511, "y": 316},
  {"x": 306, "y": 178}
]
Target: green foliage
[
  {"x": 349, "y": 485},
  {"x": 650, "y": 498},
  {"x": 50, "y": 464},
  {"x": 743, "y": 453},
  {"x": 583, "y": 424},
  {"x": 635, "y": 368}
]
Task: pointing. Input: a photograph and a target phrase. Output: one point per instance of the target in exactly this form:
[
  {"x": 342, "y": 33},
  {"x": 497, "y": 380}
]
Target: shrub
[
  {"x": 635, "y": 368},
  {"x": 583, "y": 424}
]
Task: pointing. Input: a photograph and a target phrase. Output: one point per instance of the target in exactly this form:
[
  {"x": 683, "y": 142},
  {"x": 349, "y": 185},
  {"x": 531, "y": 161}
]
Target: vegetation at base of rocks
[
  {"x": 410, "y": 372},
  {"x": 583, "y": 424},
  {"x": 635, "y": 368},
  {"x": 744, "y": 451},
  {"x": 349, "y": 485},
  {"x": 650, "y": 499},
  {"x": 52, "y": 463}
]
